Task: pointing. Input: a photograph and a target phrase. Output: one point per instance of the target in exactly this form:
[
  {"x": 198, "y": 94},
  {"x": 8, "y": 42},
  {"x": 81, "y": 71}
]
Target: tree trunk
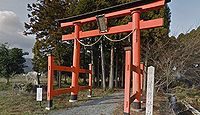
[
  {"x": 59, "y": 76},
  {"x": 38, "y": 78},
  {"x": 84, "y": 66},
  {"x": 97, "y": 74},
  {"x": 103, "y": 68},
  {"x": 93, "y": 67},
  {"x": 111, "y": 68},
  {"x": 65, "y": 78},
  {"x": 59, "y": 79},
  {"x": 116, "y": 70},
  {"x": 145, "y": 74},
  {"x": 122, "y": 74}
]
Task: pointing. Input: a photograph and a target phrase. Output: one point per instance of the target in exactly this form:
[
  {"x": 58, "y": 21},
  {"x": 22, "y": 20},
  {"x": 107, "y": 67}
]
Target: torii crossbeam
[{"x": 132, "y": 8}]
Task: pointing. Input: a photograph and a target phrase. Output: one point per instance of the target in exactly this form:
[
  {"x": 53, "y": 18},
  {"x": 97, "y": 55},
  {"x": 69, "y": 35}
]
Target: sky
[
  {"x": 185, "y": 16},
  {"x": 13, "y": 14}
]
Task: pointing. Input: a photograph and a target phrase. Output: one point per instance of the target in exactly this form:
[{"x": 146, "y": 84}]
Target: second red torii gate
[{"x": 133, "y": 8}]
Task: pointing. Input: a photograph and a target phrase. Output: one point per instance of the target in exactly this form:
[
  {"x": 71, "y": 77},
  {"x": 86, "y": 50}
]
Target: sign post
[
  {"x": 39, "y": 95},
  {"x": 150, "y": 90}
]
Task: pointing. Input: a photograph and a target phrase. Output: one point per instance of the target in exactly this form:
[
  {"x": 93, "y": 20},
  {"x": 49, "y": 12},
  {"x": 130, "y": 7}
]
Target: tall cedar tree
[{"x": 48, "y": 33}]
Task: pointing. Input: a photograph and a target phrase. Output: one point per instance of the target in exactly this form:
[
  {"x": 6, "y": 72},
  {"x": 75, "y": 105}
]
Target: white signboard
[
  {"x": 39, "y": 94},
  {"x": 150, "y": 90}
]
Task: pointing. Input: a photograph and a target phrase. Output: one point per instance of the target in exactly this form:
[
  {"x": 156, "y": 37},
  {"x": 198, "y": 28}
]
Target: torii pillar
[
  {"x": 136, "y": 58},
  {"x": 76, "y": 64}
]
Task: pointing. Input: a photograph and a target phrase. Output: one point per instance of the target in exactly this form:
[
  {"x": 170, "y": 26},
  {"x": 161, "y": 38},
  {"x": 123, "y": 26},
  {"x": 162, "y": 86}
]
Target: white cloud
[{"x": 11, "y": 32}]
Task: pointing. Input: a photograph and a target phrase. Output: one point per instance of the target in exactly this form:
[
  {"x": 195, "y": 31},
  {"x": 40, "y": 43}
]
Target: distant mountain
[{"x": 29, "y": 65}]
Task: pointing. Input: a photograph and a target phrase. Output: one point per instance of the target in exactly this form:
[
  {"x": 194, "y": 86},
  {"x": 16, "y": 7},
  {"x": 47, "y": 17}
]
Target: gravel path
[{"x": 101, "y": 106}]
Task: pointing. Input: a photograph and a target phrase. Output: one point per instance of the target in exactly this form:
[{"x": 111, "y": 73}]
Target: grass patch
[
  {"x": 191, "y": 95},
  {"x": 24, "y": 103},
  {"x": 19, "y": 103},
  {"x": 5, "y": 87}
]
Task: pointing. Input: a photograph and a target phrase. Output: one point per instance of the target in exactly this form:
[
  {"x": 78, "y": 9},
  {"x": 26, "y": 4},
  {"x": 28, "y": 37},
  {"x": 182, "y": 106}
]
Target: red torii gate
[{"x": 133, "y": 8}]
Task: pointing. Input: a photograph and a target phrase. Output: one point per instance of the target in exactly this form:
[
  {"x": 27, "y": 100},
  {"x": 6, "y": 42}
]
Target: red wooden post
[
  {"x": 50, "y": 82},
  {"x": 76, "y": 64},
  {"x": 90, "y": 80},
  {"x": 127, "y": 81},
  {"x": 136, "y": 58}
]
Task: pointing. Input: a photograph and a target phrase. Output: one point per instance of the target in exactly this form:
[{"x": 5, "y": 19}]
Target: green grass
[
  {"x": 19, "y": 103},
  {"x": 191, "y": 95},
  {"x": 23, "y": 103},
  {"x": 5, "y": 87}
]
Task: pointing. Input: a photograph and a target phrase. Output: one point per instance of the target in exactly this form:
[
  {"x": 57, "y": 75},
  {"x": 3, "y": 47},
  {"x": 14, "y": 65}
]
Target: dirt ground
[{"x": 95, "y": 106}]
